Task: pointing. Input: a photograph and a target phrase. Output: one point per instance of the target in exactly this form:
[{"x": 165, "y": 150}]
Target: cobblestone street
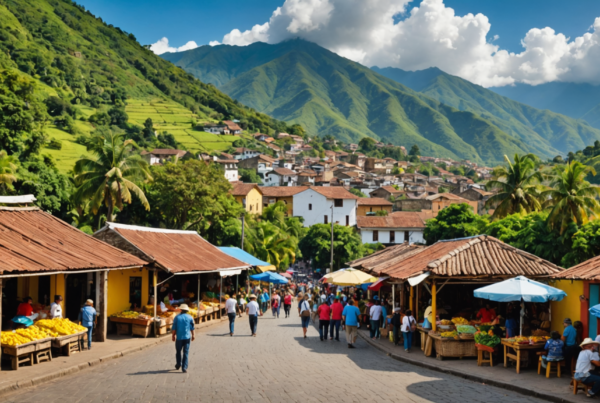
[{"x": 276, "y": 366}]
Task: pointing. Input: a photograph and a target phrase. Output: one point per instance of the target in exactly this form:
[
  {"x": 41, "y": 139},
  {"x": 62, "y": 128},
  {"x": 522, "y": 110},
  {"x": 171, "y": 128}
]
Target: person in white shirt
[
  {"x": 407, "y": 329},
  {"x": 375, "y": 315},
  {"x": 232, "y": 307},
  {"x": 253, "y": 311},
  {"x": 587, "y": 361},
  {"x": 55, "y": 308},
  {"x": 323, "y": 296}
]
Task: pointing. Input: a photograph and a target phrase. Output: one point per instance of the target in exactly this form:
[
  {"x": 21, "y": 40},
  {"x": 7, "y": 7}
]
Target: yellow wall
[
  {"x": 570, "y": 306},
  {"x": 118, "y": 288},
  {"x": 363, "y": 210},
  {"x": 289, "y": 202},
  {"x": 57, "y": 287},
  {"x": 253, "y": 198}
]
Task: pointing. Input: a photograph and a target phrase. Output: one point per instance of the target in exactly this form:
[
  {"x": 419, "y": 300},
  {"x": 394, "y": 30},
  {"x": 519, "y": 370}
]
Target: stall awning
[
  {"x": 227, "y": 273},
  {"x": 244, "y": 256},
  {"x": 263, "y": 269},
  {"x": 377, "y": 285},
  {"x": 413, "y": 281}
]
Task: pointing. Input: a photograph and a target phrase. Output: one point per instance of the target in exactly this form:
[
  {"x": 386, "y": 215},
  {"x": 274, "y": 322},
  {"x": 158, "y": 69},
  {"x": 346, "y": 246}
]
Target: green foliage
[
  {"x": 357, "y": 192},
  {"x": 8, "y": 172},
  {"x": 414, "y": 151},
  {"x": 316, "y": 245},
  {"x": 367, "y": 144},
  {"x": 55, "y": 144},
  {"x": 381, "y": 213},
  {"x": 249, "y": 176},
  {"x": 454, "y": 221},
  {"x": 586, "y": 245}
]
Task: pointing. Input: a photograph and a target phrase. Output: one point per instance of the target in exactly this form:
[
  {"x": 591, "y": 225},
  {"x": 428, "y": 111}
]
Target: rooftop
[
  {"x": 406, "y": 219},
  {"x": 282, "y": 191},
  {"x": 242, "y": 189},
  {"x": 335, "y": 192},
  {"x": 282, "y": 171},
  {"x": 164, "y": 151},
  {"x": 373, "y": 201}
]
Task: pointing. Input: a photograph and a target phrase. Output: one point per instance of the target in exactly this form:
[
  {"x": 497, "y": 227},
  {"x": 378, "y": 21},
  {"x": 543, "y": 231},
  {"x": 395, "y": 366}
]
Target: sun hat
[
  {"x": 89, "y": 302},
  {"x": 252, "y": 296},
  {"x": 184, "y": 307},
  {"x": 588, "y": 341},
  {"x": 568, "y": 321}
]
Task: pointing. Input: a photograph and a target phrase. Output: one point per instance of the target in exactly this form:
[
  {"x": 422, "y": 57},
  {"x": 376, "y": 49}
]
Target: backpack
[{"x": 275, "y": 303}]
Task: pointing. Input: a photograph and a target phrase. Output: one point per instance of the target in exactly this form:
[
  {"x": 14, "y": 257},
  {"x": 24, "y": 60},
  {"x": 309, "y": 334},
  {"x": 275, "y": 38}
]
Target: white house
[
  {"x": 216, "y": 128},
  {"x": 281, "y": 177},
  {"x": 243, "y": 153},
  {"x": 230, "y": 169},
  {"x": 395, "y": 228},
  {"x": 160, "y": 155},
  {"x": 315, "y": 206}
]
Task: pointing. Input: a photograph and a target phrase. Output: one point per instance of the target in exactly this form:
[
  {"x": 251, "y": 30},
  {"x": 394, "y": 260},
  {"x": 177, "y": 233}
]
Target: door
[
  {"x": 75, "y": 295},
  {"x": 594, "y": 300}
]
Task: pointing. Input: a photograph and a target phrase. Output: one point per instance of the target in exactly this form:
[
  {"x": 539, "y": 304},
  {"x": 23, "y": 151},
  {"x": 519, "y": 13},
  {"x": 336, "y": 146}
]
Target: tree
[
  {"x": 381, "y": 213},
  {"x": 100, "y": 119},
  {"x": 415, "y": 151},
  {"x": 454, "y": 221},
  {"x": 357, "y": 192},
  {"x": 109, "y": 177},
  {"x": 586, "y": 245},
  {"x": 148, "y": 131},
  {"x": 572, "y": 198},
  {"x": 118, "y": 116},
  {"x": 8, "y": 172},
  {"x": 316, "y": 245},
  {"x": 367, "y": 144},
  {"x": 518, "y": 187},
  {"x": 249, "y": 176}
]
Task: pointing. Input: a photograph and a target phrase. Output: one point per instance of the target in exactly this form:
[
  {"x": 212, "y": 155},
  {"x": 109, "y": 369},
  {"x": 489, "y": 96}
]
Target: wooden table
[
  {"x": 518, "y": 348},
  {"x": 445, "y": 347}
]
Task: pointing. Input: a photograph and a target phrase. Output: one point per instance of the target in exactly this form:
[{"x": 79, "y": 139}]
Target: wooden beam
[
  {"x": 102, "y": 307},
  {"x": 433, "y": 307}
]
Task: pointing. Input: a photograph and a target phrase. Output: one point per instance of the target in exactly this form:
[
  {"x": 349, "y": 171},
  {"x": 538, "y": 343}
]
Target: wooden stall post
[
  {"x": 154, "y": 281},
  {"x": 102, "y": 307},
  {"x": 433, "y": 306},
  {"x": 410, "y": 302},
  {"x": 1, "y": 314},
  {"x": 198, "y": 314},
  {"x": 393, "y": 297}
]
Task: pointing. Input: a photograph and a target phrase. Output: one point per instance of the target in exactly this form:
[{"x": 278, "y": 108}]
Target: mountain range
[{"x": 300, "y": 82}]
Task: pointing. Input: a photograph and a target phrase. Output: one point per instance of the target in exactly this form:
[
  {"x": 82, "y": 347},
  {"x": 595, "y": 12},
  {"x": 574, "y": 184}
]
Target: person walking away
[
  {"x": 231, "y": 306},
  {"x": 569, "y": 337},
  {"x": 323, "y": 296},
  {"x": 383, "y": 319},
  {"x": 408, "y": 324},
  {"x": 55, "y": 308},
  {"x": 87, "y": 319},
  {"x": 241, "y": 304},
  {"x": 396, "y": 323},
  {"x": 183, "y": 332},
  {"x": 287, "y": 304},
  {"x": 324, "y": 312},
  {"x": 315, "y": 307},
  {"x": 554, "y": 349},
  {"x": 350, "y": 316},
  {"x": 336, "y": 318},
  {"x": 330, "y": 298},
  {"x": 275, "y": 304},
  {"x": 375, "y": 315},
  {"x": 588, "y": 360},
  {"x": 253, "y": 311},
  {"x": 304, "y": 312}
]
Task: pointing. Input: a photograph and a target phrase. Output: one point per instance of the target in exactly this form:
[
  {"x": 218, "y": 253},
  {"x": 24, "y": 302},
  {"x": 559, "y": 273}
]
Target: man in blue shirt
[
  {"x": 569, "y": 337},
  {"x": 350, "y": 315},
  {"x": 87, "y": 318},
  {"x": 183, "y": 330}
]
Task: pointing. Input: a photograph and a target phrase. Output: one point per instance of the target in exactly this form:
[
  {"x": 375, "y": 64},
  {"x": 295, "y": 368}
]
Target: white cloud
[
  {"x": 430, "y": 35},
  {"x": 162, "y": 46}
]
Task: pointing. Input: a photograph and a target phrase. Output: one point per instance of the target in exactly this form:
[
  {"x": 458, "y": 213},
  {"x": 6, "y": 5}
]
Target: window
[
  {"x": 406, "y": 236},
  {"x": 347, "y": 220},
  {"x": 271, "y": 201},
  {"x": 310, "y": 206},
  {"x": 251, "y": 207},
  {"x": 256, "y": 206},
  {"x": 338, "y": 202},
  {"x": 375, "y": 236},
  {"x": 325, "y": 219},
  {"x": 370, "y": 209},
  {"x": 392, "y": 236}
]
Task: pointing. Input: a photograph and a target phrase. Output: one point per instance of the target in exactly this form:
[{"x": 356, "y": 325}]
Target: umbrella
[
  {"x": 286, "y": 275},
  {"x": 595, "y": 310},
  {"x": 350, "y": 277},
  {"x": 270, "y": 277},
  {"x": 520, "y": 288},
  {"x": 377, "y": 285}
]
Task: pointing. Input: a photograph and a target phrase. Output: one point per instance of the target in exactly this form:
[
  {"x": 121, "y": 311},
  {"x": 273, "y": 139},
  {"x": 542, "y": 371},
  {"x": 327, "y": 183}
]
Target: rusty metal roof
[
  {"x": 176, "y": 251},
  {"x": 32, "y": 241}
]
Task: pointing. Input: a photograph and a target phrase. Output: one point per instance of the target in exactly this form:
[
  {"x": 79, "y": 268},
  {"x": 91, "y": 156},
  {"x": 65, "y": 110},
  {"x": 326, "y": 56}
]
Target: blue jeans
[
  {"x": 305, "y": 321},
  {"x": 596, "y": 380},
  {"x": 179, "y": 345},
  {"x": 374, "y": 328},
  {"x": 275, "y": 311},
  {"x": 231, "y": 317},
  {"x": 253, "y": 322},
  {"x": 323, "y": 328},
  {"x": 90, "y": 329},
  {"x": 335, "y": 323},
  {"x": 407, "y": 340}
]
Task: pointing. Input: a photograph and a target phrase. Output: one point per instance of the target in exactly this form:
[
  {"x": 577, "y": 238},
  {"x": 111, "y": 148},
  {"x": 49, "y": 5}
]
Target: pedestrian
[
  {"x": 87, "y": 318},
  {"x": 241, "y": 302},
  {"x": 324, "y": 312},
  {"x": 336, "y": 318},
  {"x": 253, "y": 311},
  {"x": 183, "y": 334},
  {"x": 375, "y": 315},
  {"x": 330, "y": 298},
  {"x": 396, "y": 323},
  {"x": 231, "y": 306},
  {"x": 265, "y": 298},
  {"x": 569, "y": 337},
  {"x": 323, "y": 295},
  {"x": 287, "y": 304},
  {"x": 315, "y": 307},
  {"x": 587, "y": 361},
  {"x": 55, "y": 308},
  {"x": 350, "y": 316},
  {"x": 304, "y": 312},
  {"x": 408, "y": 326},
  {"x": 275, "y": 302}
]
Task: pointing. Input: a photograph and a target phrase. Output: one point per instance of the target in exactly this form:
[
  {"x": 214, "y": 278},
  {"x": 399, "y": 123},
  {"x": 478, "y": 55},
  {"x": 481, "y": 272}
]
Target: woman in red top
[
  {"x": 336, "y": 318},
  {"x": 25, "y": 308},
  {"x": 287, "y": 304},
  {"x": 487, "y": 314},
  {"x": 324, "y": 312}
]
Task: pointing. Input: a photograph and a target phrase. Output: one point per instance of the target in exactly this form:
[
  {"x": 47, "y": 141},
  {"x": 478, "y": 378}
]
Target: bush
[{"x": 55, "y": 144}]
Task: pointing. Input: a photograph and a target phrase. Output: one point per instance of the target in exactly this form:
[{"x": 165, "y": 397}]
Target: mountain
[
  {"x": 301, "y": 82},
  {"x": 577, "y": 100},
  {"x": 548, "y": 133}
]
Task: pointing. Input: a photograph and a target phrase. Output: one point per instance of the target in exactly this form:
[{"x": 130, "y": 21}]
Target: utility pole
[
  {"x": 243, "y": 232},
  {"x": 331, "y": 262}
]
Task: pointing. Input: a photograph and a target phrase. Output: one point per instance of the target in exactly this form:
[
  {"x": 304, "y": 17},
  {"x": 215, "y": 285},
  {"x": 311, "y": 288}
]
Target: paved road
[{"x": 276, "y": 366}]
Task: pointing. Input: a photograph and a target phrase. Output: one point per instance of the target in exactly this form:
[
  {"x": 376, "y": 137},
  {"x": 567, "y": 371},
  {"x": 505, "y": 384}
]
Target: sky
[{"x": 489, "y": 42}]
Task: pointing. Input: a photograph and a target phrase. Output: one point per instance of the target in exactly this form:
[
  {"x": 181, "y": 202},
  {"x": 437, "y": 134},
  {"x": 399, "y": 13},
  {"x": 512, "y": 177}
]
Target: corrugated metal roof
[
  {"x": 176, "y": 251},
  {"x": 33, "y": 241}
]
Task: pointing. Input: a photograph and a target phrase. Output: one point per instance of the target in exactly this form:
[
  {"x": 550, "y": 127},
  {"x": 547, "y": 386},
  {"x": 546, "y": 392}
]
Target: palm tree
[
  {"x": 8, "y": 171},
  {"x": 109, "y": 177},
  {"x": 518, "y": 184},
  {"x": 268, "y": 242},
  {"x": 572, "y": 198}
]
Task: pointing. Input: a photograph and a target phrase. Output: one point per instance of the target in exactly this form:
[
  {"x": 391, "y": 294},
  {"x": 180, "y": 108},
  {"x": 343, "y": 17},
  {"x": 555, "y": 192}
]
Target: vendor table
[
  {"x": 33, "y": 352},
  {"x": 519, "y": 350},
  {"x": 445, "y": 347},
  {"x": 426, "y": 342},
  {"x": 72, "y": 343}
]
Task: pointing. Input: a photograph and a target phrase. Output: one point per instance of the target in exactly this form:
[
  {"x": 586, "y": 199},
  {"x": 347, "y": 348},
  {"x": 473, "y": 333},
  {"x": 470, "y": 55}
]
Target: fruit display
[
  {"x": 22, "y": 336},
  {"x": 60, "y": 326},
  {"x": 540, "y": 332},
  {"x": 538, "y": 339},
  {"x": 468, "y": 329},
  {"x": 487, "y": 338},
  {"x": 445, "y": 322},
  {"x": 449, "y": 335},
  {"x": 126, "y": 314},
  {"x": 460, "y": 321}
]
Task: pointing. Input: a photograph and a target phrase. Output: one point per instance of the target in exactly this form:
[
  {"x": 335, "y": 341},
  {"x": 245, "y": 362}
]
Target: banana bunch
[
  {"x": 22, "y": 336},
  {"x": 60, "y": 326},
  {"x": 12, "y": 339},
  {"x": 127, "y": 314},
  {"x": 460, "y": 321},
  {"x": 449, "y": 334}
]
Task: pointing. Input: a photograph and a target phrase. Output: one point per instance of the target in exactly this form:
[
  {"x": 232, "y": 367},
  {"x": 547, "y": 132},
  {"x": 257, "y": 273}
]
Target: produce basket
[
  {"x": 466, "y": 336},
  {"x": 454, "y": 348}
]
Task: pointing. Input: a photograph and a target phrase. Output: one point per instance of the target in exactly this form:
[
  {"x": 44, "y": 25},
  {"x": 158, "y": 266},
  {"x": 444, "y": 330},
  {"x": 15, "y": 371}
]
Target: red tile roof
[
  {"x": 373, "y": 201},
  {"x": 231, "y": 125},
  {"x": 448, "y": 196},
  {"x": 282, "y": 172},
  {"x": 282, "y": 191},
  {"x": 407, "y": 219},
  {"x": 335, "y": 192},
  {"x": 242, "y": 189}
]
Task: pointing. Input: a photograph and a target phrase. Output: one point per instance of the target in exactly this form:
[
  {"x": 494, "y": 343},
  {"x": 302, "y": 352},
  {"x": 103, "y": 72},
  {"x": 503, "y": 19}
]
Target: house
[
  {"x": 357, "y": 159},
  {"x": 351, "y": 146},
  {"x": 249, "y": 195},
  {"x": 261, "y": 164},
  {"x": 216, "y": 128},
  {"x": 317, "y": 204},
  {"x": 260, "y": 136},
  {"x": 396, "y": 228},
  {"x": 274, "y": 147},
  {"x": 243, "y": 153},
  {"x": 330, "y": 154},
  {"x": 368, "y": 206},
  {"x": 232, "y": 127},
  {"x": 298, "y": 140},
  {"x": 159, "y": 155},
  {"x": 285, "y": 194},
  {"x": 387, "y": 192},
  {"x": 229, "y": 167},
  {"x": 281, "y": 177},
  {"x": 478, "y": 195},
  {"x": 307, "y": 177},
  {"x": 443, "y": 200}
]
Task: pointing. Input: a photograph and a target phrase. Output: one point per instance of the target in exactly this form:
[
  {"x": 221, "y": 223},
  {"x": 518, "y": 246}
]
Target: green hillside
[
  {"x": 91, "y": 67},
  {"x": 548, "y": 133}
]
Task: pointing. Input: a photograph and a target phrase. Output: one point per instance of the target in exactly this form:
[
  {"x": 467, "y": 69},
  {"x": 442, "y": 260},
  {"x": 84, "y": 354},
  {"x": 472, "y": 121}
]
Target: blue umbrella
[
  {"x": 270, "y": 277},
  {"x": 520, "y": 288},
  {"x": 595, "y": 310}
]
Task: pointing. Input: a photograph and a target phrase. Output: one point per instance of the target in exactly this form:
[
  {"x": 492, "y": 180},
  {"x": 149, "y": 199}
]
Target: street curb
[
  {"x": 474, "y": 378},
  {"x": 23, "y": 384}
]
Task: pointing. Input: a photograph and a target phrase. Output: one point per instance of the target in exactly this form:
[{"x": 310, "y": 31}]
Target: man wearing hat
[
  {"x": 183, "y": 331},
  {"x": 87, "y": 318},
  {"x": 587, "y": 361}
]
